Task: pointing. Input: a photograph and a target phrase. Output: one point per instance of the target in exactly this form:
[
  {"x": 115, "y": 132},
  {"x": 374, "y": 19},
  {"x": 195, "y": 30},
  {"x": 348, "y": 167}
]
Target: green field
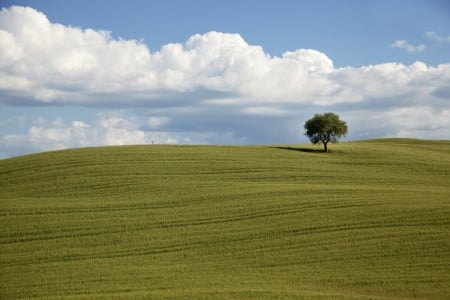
[{"x": 369, "y": 220}]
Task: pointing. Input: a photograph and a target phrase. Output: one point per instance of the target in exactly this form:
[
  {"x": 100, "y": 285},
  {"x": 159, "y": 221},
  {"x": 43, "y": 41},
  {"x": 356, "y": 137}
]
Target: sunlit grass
[{"x": 369, "y": 220}]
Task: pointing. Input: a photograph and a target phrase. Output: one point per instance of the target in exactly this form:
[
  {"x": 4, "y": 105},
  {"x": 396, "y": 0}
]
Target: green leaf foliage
[{"x": 324, "y": 128}]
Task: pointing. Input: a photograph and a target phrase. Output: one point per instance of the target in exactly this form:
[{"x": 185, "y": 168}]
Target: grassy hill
[{"x": 369, "y": 220}]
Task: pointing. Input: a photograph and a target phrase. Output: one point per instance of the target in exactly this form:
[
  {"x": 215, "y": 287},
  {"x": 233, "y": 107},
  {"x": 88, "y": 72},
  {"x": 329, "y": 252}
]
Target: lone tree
[{"x": 325, "y": 128}]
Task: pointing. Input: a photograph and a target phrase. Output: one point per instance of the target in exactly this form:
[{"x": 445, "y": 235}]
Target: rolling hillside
[{"x": 369, "y": 220}]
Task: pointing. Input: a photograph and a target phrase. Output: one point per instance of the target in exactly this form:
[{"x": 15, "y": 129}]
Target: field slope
[{"x": 369, "y": 220}]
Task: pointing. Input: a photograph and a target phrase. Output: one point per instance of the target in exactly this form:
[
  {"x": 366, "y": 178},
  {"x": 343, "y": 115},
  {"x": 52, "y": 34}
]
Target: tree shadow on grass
[{"x": 308, "y": 150}]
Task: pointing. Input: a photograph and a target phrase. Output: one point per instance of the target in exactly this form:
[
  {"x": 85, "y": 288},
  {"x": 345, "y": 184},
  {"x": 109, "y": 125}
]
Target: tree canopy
[{"x": 324, "y": 128}]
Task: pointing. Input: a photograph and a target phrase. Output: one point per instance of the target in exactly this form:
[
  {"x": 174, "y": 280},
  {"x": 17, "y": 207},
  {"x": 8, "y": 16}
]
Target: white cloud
[
  {"x": 403, "y": 44},
  {"x": 390, "y": 80},
  {"x": 420, "y": 122},
  {"x": 266, "y": 110},
  {"x": 437, "y": 38},
  {"x": 47, "y": 63},
  {"x": 108, "y": 128},
  {"x": 157, "y": 122},
  {"x": 105, "y": 129},
  {"x": 214, "y": 88}
]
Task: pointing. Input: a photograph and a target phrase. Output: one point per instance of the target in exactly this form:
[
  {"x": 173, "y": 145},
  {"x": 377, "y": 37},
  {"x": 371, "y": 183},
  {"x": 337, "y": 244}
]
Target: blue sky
[{"x": 87, "y": 73}]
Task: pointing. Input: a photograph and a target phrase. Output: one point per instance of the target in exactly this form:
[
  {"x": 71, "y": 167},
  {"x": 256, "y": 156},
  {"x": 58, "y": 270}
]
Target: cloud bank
[{"x": 213, "y": 84}]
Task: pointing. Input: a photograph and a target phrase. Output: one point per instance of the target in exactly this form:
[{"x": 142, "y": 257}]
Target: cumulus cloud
[
  {"x": 403, "y": 44},
  {"x": 50, "y": 63},
  {"x": 47, "y": 63},
  {"x": 106, "y": 129},
  {"x": 110, "y": 128},
  {"x": 213, "y": 88}
]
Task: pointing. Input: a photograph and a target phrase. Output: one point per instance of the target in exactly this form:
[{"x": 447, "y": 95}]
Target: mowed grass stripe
[{"x": 368, "y": 220}]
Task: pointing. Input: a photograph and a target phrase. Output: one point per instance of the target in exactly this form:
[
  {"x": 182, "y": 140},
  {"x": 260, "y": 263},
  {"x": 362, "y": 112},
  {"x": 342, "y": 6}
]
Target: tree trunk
[{"x": 325, "y": 147}]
